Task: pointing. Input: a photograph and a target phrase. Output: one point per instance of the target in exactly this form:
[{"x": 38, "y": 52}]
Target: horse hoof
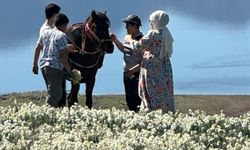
[{"x": 89, "y": 104}]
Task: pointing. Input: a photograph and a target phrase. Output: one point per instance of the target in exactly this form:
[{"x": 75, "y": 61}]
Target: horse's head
[{"x": 97, "y": 27}]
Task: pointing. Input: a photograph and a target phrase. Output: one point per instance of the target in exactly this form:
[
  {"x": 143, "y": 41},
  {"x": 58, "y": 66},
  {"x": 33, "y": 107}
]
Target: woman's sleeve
[{"x": 144, "y": 42}]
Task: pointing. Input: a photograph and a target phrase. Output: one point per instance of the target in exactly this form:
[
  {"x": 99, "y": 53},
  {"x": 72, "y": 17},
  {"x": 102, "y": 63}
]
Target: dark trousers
[
  {"x": 131, "y": 90},
  {"x": 54, "y": 82}
]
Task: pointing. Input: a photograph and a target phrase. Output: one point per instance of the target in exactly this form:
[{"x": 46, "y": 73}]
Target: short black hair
[
  {"x": 61, "y": 19},
  {"x": 51, "y": 9},
  {"x": 133, "y": 24}
]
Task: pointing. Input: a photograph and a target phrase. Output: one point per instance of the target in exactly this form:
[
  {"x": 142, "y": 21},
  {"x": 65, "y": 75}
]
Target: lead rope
[
  {"x": 82, "y": 52},
  {"x": 84, "y": 67}
]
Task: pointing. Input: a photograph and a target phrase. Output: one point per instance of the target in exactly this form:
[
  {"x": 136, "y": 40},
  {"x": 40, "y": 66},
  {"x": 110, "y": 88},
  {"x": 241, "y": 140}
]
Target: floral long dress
[{"x": 156, "y": 80}]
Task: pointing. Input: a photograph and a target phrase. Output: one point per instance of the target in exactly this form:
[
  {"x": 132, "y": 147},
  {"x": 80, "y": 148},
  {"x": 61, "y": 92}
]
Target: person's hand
[
  {"x": 35, "y": 69},
  {"x": 70, "y": 73},
  {"x": 147, "y": 55},
  {"x": 128, "y": 40},
  {"x": 129, "y": 73},
  {"x": 72, "y": 76},
  {"x": 113, "y": 36},
  {"x": 71, "y": 48}
]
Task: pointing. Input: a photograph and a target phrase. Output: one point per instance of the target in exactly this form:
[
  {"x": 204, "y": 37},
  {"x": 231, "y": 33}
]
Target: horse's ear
[
  {"x": 105, "y": 12},
  {"x": 93, "y": 14}
]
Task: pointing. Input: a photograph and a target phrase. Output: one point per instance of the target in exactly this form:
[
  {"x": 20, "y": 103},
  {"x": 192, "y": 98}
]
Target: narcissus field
[{"x": 29, "y": 126}]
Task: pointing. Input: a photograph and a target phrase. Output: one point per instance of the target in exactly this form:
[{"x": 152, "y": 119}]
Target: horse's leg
[
  {"x": 73, "y": 95},
  {"x": 89, "y": 90}
]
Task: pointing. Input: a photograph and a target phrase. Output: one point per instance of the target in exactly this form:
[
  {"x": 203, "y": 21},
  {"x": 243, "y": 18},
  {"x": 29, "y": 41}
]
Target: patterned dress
[{"x": 156, "y": 80}]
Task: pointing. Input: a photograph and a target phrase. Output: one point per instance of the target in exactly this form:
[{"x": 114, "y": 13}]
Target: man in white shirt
[{"x": 51, "y": 10}]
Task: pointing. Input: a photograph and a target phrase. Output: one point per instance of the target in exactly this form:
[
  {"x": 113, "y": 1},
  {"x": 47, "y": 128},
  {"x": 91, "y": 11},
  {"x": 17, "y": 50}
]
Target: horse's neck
[
  {"x": 89, "y": 42},
  {"x": 89, "y": 45}
]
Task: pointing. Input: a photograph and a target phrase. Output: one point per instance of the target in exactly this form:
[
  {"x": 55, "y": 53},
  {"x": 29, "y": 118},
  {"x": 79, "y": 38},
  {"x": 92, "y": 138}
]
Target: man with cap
[{"x": 132, "y": 61}]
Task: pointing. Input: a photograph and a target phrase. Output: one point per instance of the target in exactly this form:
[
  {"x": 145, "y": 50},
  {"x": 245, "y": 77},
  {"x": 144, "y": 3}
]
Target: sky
[{"x": 22, "y": 19}]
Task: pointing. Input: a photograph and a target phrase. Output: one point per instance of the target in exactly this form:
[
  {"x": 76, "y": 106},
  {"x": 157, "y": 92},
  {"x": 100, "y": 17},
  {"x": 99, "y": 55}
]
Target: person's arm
[
  {"x": 135, "y": 68},
  {"x": 71, "y": 48},
  {"x": 143, "y": 44},
  {"x": 132, "y": 70},
  {"x": 36, "y": 56},
  {"x": 123, "y": 47},
  {"x": 63, "y": 55},
  {"x": 117, "y": 42}
]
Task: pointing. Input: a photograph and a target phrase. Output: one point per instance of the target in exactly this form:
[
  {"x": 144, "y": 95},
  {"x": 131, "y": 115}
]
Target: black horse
[{"x": 92, "y": 40}]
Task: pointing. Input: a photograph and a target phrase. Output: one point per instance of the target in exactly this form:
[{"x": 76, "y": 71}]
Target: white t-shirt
[{"x": 45, "y": 27}]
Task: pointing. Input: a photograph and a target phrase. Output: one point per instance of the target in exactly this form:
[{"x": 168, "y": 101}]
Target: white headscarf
[{"x": 159, "y": 20}]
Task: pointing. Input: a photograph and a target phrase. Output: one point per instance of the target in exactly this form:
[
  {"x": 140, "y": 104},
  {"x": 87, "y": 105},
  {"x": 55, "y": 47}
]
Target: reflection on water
[
  {"x": 223, "y": 85},
  {"x": 224, "y": 62},
  {"x": 211, "y": 48}
]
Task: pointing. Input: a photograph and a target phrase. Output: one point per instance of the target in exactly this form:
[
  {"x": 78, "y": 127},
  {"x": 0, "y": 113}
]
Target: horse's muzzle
[{"x": 108, "y": 46}]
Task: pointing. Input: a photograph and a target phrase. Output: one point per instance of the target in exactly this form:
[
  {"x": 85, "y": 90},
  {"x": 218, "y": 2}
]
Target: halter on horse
[{"x": 92, "y": 40}]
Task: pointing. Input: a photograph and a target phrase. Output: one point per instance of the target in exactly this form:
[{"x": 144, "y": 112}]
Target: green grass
[
  {"x": 39, "y": 97},
  {"x": 233, "y": 105}
]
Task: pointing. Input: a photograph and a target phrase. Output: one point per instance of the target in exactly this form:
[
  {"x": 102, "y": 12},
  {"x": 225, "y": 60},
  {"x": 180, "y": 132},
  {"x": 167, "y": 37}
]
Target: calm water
[{"x": 211, "y": 48}]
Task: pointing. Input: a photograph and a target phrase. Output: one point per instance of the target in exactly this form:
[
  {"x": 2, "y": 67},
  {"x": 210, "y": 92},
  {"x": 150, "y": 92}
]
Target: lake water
[{"x": 211, "y": 48}]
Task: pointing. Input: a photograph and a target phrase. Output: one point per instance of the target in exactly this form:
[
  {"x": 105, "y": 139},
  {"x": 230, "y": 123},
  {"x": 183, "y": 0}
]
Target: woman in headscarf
[{"x": 156, "y": 80}]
